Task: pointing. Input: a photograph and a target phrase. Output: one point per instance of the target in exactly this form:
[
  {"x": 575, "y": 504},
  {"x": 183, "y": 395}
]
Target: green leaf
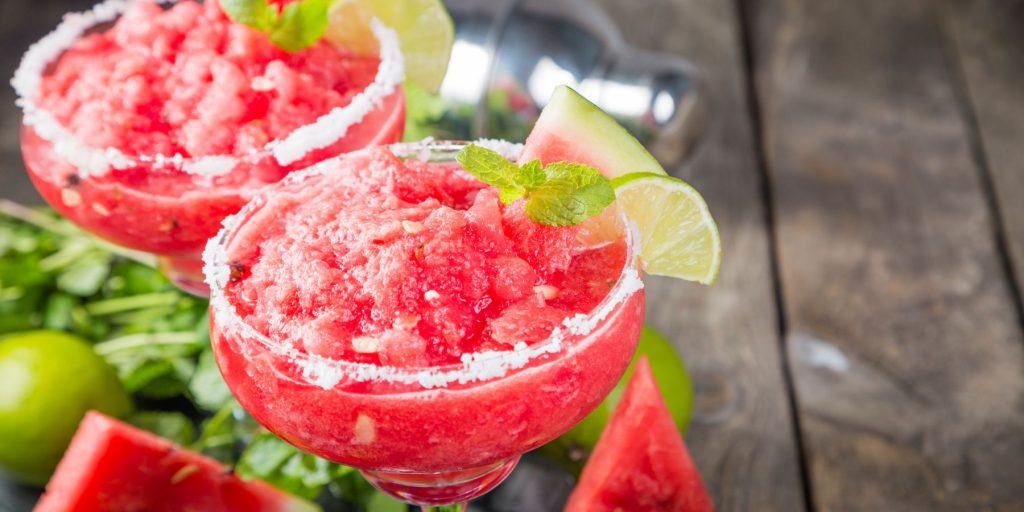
[
  {"x": 132, "y": 279},
  {"x": 301, "y": 24},
  {"x": 85, "y": 275},
  {"x": 531, "y": 174},
  {"x": 171, "y": 425},
  {"x": 155, "y": 365},
  {"x": 207, "y": 387},
  {"x": 348, "y": 485},
  {"x": 159, "y": 379},
  {"x": 298, "y": 25},
  {"x": 284, "y": 466},
  {"x": 562, "y": 194},
  {"x": 57, "y": 315},
  {"x": 493, "y": 169},
  {"x": 258, "y": 14},
  {"x": 218, "y": 435},
  {"x": 572, "y": 194}
]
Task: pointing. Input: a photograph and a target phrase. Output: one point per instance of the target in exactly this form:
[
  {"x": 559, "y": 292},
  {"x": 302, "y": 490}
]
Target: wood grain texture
[
  {"x": 988, "y": 42},
  {"x": 902, "y": 336},
  {"x": 22, "y": 22},
  {"x": 742, "y": 438}
]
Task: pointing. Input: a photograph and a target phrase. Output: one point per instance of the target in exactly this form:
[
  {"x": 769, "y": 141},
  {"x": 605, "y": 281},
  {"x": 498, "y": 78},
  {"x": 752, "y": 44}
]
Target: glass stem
[{"x": 458, "y": 507}]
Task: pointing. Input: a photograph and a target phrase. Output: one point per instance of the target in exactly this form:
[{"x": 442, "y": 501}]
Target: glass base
[
  {"x": 442, "y": 488},
  {"x": 186, "y": 274}
]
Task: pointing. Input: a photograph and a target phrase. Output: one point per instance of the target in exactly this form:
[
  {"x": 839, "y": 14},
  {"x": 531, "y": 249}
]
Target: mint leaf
[
  {"x": 85, "y": 275},
  {"x": 207, "y": 388},
  {"x": 217, "y": 436},
  {"x": 493, "y": 169},
  {"x": 531, "y": 174},
  {"x": 572, "y": 193},
  {"x": 562, "y": 194},
  {"x": 284, "y": 466},
  {"x": 298, "y": 25},
  {"x": 257, "y": 14},
  {"x": 301, "y": 24},
  {"x": 171, "y": 425}
]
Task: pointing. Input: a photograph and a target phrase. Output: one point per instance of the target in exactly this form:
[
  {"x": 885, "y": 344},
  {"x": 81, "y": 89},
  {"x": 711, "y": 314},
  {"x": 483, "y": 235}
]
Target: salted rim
[
  {"x": 476, "y": 366},
  {"x": 94, "y": 161}
]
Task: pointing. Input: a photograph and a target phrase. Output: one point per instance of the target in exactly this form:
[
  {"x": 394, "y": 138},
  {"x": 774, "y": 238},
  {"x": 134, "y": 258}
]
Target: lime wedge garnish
[
  {"x": 424, "y": 28},
  {"x": 678, "y": 237}
]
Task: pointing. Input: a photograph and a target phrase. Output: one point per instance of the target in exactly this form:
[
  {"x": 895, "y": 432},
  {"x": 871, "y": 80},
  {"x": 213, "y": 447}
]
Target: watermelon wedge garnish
[
  {"x": 640, "y": 463},
  {"x": 572, "y": 129},
  {"x": 113, "y": 467}
]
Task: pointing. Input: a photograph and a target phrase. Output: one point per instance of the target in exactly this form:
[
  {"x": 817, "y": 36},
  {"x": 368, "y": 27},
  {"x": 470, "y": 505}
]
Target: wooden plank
[
  {"x": 22, "y": 22},
  {"x": 988, "y": 40},
  {"x": 902, "y": 336},
  {"x": 742, "y": 438}
]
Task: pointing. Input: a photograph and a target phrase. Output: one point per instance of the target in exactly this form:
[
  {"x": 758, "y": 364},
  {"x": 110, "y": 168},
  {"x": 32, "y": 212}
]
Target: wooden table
[{"x": 862, "y": 349}]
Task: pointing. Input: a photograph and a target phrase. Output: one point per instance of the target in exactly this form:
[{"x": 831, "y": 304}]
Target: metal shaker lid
[{"x": 510, "y": 55}]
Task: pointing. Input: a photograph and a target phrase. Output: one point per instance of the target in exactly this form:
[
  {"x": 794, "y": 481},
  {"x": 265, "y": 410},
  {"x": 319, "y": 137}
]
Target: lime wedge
[
  {"x": 424, "y": 28},
  {"x": 678, "y": 237}
]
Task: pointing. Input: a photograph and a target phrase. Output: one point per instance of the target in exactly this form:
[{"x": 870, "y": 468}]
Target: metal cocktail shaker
[{"x": 509, "y": 55}]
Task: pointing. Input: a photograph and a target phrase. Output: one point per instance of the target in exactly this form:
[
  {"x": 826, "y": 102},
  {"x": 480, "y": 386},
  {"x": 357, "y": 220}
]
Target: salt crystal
[
  {"x": 210, "y": 165},
  {"x": 509, "y": 150}
]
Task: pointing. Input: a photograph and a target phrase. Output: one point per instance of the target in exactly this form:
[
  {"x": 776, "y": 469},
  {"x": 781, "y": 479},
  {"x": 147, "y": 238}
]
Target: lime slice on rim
[
  {"x": 678, "y": 237},
  {"x": 425, "y": 32}
]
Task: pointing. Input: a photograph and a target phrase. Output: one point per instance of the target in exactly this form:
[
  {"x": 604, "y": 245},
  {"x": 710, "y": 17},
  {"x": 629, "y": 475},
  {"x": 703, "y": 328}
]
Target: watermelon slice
[
  {"x": 640, "y": 463},
  {"x": 572, "y": 129},
  {"x": 111, "y": 466}
]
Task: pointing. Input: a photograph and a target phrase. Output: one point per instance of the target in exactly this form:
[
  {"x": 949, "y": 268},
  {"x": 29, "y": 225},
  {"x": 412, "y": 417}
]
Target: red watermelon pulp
[
  {"x": 114, "y": 467},
  {"x": 640, "y": 463},
  {"x": 572, "y": 129}
]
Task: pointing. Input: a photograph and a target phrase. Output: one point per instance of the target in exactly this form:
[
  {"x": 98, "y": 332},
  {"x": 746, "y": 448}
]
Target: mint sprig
[
  {"x": 561, "y": 194},
  {"x": 296, "y": 26}
]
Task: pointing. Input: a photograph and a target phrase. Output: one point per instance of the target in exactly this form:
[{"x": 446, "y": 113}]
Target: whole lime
[
  {"x": 48, "y": 380},
  {"x": 572, "y": 448}
]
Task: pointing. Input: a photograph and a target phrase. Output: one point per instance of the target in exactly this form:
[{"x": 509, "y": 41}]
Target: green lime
[
  {"x": 425, "y": 33},
  {"x": 48, "y": 380},
  {"x": 572, "y": 449},
  {"x": 678, "y": 237}
]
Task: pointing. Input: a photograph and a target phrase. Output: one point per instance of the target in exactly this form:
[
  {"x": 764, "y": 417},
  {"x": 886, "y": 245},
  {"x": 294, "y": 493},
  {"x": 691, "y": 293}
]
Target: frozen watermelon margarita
[
  {"x": 148, "y": 123},
  {"x": 385, "y": 310}
]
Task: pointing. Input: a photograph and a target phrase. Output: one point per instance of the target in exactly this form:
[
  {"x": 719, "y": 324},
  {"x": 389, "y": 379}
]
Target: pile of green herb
[{"x": 55, "y": 276}]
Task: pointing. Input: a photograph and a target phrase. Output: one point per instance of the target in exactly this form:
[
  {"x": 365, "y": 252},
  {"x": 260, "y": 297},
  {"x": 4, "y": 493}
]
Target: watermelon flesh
[
  {"x": 113, "y": 467},
  {"x": 572, "y": 129},
  {"x": 640, "y": 463}
]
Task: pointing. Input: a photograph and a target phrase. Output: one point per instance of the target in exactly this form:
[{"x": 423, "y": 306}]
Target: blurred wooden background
[{"x": 862, "y": 349}]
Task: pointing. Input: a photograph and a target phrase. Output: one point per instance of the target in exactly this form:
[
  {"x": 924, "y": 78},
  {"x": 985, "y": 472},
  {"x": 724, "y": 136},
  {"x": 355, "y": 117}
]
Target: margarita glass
[
  {"x": 421, "y": 428},
  {"x": 147, "y": 124}
]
